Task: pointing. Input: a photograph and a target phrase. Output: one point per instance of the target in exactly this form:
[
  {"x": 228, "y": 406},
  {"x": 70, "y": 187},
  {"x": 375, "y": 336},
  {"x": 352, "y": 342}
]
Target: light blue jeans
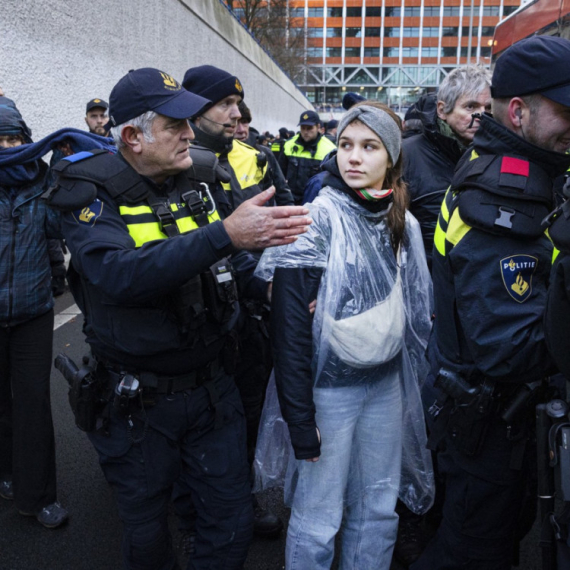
[{"x": 357, "y": 477}]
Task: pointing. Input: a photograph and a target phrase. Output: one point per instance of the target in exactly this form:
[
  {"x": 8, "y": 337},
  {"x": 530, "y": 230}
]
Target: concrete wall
[{"x": 55, "y": 55}]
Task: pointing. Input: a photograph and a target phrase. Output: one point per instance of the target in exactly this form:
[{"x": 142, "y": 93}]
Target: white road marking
[{"x": 65, "y": 316}]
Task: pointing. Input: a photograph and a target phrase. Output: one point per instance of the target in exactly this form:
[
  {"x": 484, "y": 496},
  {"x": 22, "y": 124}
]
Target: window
[
  {"x": 354, "y": 12},
  {"x": 296, "y": 32},
  {"x": 451, "y": 11},
  {"x": 431, "y": 32},
  {"x": 392, "y": 32},
  {"x": 485, "y": 51},
  {"x": 449, "y": 51},
  {"x": 315, "y": 52},
  {"x": 411, "y": 32},
  {"x": 465, "y": 31},
  {"x": 353, "y": 32},
  {"x": 351, "y": 52},
  {"x": 316, "y": 12},
  {"x": 371, "y": 52},
  {"x": 449, "y": 31},
  {"x": 429, "y": 51},
  {"x": 431, "y": 11},
  {"x": 392, "y": 11},
  {"x": 334, "y": 32},
  {"x": 409, "y": 52},
  {"x": 491, "y": 10},
  {"x": 391, "y": 52},
  {"x": 297, "y": 12},
  {"x": 373, "y": 12},
  {"x": 334, "y": 52},
  {"x": 334, "y": 12},
  {"x": 314, "y": 32},
  {"x": 412, "y": 11},
  {"x": 487, "y": 30},
  {"x": 509, "y": 10},
  {"x": 373, "y": 32}
]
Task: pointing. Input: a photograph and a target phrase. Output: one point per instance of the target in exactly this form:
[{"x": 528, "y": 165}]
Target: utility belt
[
  {"x": 464, "y": 411},
  {"x": 151, "y": 383},
  {"x": 96, "y": 386}
]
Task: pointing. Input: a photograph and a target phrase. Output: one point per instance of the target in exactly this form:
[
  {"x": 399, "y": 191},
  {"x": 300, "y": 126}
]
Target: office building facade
[{"x": 390, "y": 50}]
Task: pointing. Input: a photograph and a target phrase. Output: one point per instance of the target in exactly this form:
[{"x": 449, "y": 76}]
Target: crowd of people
[{"x": 407, "y": 289}]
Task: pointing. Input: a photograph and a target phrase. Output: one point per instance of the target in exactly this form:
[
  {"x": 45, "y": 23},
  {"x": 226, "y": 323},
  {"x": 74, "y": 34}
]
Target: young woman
[{"x": 347, "y": 376}]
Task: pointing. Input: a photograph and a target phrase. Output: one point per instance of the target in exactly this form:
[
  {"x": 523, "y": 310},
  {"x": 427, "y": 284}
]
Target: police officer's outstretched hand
[{"x": 252, "y": 226}]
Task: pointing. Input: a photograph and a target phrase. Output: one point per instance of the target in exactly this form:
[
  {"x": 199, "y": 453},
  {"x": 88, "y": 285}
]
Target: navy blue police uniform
[
  {"x": 150, "y": 275},
  {"x": 491, "y": 264},
  {"x": 557, "y": 314},
  {"x": 250, "y": 173}
]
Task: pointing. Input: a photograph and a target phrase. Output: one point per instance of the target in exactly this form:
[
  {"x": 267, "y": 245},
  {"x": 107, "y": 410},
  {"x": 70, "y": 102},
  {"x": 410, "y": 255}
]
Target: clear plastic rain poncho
[{"x": 372, "y": 307}]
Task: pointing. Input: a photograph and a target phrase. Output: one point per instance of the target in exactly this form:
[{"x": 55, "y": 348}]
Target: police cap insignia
[
  {"x": 517, "y": 271},
  {"x": 238, "y": 85},
  {"x": 89, "y": 215},
  {"x": 169, "y": 82}
]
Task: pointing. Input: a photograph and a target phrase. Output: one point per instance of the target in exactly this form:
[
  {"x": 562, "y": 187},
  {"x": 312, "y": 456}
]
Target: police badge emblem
[
  {"x": 517, "y": 271},
  {"x": 88, "y": 216}
]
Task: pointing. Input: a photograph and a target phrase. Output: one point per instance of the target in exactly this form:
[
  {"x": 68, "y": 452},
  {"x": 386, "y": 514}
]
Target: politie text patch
[
  {"x": 88, "y": 216},
  {"x": 517, "y": 271}
]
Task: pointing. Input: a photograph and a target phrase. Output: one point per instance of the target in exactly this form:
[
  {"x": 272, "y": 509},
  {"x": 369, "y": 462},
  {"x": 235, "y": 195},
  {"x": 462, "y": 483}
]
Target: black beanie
[{"x": 212, "y": 83}]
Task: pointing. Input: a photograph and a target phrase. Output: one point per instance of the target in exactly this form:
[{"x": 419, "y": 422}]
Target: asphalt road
[{"x": 92, "y": 538}]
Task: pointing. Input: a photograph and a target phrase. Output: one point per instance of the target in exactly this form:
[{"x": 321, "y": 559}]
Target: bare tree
[{"x": 280, "y": 35}]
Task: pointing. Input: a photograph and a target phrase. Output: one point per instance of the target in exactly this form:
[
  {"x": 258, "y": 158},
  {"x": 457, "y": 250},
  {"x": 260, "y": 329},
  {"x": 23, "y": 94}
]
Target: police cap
[
  {"x": 534, "y": 65},
  {"x": 149, "y": 89},
  {"x": 309, "y": 118},
  {"x": 94, "y": 103}
]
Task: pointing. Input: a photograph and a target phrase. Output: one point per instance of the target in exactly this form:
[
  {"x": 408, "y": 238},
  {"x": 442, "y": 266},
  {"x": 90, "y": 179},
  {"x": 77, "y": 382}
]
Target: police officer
[
  {"x": 215, "y": 128},
  {"x": 330, "y": 130},
  {"x": 96, "y": 116},
  {"x": 491, "y": 265},
  {"x": 279, "y": 142},
  {"x": 244, "y": 133},
  {"x": 302, "y": 155},
  {"x": 150, "y": 274}
]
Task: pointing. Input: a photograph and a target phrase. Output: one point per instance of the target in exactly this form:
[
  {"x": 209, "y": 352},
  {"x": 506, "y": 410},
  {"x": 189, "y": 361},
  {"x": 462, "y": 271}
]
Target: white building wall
[{"x": 55, "y": 55}]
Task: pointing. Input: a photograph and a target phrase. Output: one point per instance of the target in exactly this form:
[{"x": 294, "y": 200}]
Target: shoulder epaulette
[
  {"x": 505, "y": 195},
  {"x": 78, "y": 177}
]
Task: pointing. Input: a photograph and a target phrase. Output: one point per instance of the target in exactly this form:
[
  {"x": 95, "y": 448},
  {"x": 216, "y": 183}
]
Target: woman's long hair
[{"x": 396, "y": 218}]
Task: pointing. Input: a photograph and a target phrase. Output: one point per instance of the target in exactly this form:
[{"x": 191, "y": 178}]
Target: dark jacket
[
  {"x": 25, "y": 275},
  {"x": 491, "y": 259},
  {"x": 557, "y": 315},
  {"x": 283, "y": 195},
  {"x": 129, "y": 287},
  {"x": 429, "y": 162},
  {"x": 249, "y": 175}
]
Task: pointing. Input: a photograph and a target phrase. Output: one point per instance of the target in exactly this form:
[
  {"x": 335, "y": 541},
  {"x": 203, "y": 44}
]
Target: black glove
[{"x": 305, "y": 440}]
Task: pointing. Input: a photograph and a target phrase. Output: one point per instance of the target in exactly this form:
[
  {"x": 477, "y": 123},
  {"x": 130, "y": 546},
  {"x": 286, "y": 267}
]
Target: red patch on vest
[{"x": 511, "y": 165}]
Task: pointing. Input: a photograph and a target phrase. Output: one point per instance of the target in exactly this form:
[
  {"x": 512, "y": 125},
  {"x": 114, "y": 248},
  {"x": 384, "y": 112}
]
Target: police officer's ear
[
  {"x": 132, "y": 137},
  {"x": 517, "y": 111}
]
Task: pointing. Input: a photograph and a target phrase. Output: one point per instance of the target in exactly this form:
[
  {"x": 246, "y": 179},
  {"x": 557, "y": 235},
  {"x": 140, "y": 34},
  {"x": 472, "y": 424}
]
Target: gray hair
[
  {"x": 468, "y": 80},
  {"x": 143, "y": 122}
]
